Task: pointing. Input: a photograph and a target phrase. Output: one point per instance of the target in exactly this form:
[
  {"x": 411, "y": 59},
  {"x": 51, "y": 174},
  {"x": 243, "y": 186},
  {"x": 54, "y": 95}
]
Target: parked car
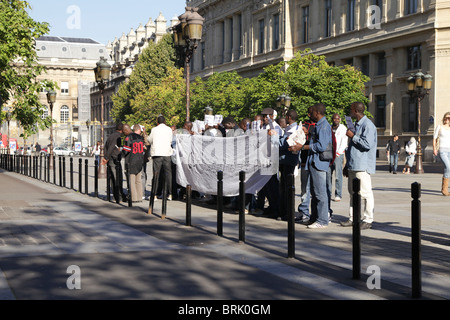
[{"x": 61, "y": 151}]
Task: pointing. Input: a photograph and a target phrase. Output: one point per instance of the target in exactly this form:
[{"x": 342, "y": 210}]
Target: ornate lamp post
[
  {"x": 102, "y": 74},
  {"x": 51, "y": 99},
  {"x": 187, "y": 36},
  {"x": 283, "y": 104},
  {"x": 419, "y": 86}
]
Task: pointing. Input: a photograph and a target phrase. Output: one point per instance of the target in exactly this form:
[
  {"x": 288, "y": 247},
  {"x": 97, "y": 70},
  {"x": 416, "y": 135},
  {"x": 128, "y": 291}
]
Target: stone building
[
  {"x": 388, "y": 40},
  {"x": 70, "y": 63},
  {"x": 123, "y": 54}
]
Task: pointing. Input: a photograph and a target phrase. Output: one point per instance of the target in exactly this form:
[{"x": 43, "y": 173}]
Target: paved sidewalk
[{"x": 123, "y": 253}]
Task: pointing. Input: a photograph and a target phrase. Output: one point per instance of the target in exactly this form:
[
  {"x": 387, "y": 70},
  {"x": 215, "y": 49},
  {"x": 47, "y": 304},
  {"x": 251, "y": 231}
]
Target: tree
[
  {"x": 19, "y": 67},
  {"x": 153, "y": 66}
]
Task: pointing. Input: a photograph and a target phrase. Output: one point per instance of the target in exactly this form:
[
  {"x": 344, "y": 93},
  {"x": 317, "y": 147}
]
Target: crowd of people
[{"x": 326, "y": 150}]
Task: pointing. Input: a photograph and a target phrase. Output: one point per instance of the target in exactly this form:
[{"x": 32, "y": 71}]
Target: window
[
  {"x": 203, "y": 55},
  {"x": 351, "y": 15},
  {"x": 305, "y": 23},
  {"x": 261, "y": 37},
  {"x": 276, "y": 31},
  {"x": 64, "y": 114},
  {"x": 409, "y": 114},
  {"x": 414, "y": 58},
  {"x": 365, "y": 69},
  {"x": 380, "y": 116},
  {"x": 410, "y": 6},
  {"x": 381, "y": 57},
  {"x": 328, "y": 16},
  {"x": 64, "y": 88}
]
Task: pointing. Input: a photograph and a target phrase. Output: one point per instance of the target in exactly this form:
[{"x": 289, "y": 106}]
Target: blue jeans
[
  {"x": 319, "y": 196},
  {"x": 444, "y": 154},
  {"x": 393, "y": 162},
  {"x": 303, "y": 208}
]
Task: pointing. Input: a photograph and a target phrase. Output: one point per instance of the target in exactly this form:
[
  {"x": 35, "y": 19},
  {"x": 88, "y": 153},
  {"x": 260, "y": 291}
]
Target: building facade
[
  {"x": 123, "y": 54},
  {"x": 388, "y": 40},
  {"x": 70, "y": 63}
]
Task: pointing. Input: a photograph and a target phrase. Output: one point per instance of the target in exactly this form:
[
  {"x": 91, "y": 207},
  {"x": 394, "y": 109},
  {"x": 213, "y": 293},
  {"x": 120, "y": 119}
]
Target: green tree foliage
[
  {"x": 154, "y": 66},
  {"x": 18, "y": 65}
]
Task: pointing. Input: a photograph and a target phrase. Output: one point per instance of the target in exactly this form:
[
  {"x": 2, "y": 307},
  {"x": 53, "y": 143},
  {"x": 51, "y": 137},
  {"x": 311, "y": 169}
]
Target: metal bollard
[
  {"x": 416, "y": 240},
  {"x": 356, "y": 229},
  {"x": 60, "y": 171},
  {"x": 188, "y": 206},
  {"x": 71, "y": 173},
  {"x": 220, "y": 203},
  {"x": 86, "y": 176},
  {"x": 164, "y": 197},
  {"x": 152, "y": 196},
  {"x": 54, "y": 169},
  {"x": 108, "y": 182},
  {"x": 242, "y": 206},
  {"x": 64, "y": 172},
  {"x": 290, "y": 192},
  {"x": 80, "y": 175},
  {"x": 96, "y": 178}
]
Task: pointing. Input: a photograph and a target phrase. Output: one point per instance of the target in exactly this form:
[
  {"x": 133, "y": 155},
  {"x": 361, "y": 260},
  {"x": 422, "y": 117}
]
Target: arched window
[
  {"x": 64, "y": 115},
  {"x": 44, "y": 111}
]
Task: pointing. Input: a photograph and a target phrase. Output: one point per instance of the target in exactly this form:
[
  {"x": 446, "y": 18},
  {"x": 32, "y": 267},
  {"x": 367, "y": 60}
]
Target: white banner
[{"x": 199, "y": 158}]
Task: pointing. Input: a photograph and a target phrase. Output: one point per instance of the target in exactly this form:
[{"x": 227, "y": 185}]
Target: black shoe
[
  {"x": 347, "y": 223},
  {"x": 395, "y": 172},
  {"x": 365, "y": 225}
]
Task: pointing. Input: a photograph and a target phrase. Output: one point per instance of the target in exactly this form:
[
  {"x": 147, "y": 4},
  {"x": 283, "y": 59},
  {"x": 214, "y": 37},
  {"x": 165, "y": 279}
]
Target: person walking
[
  {"x": 361, "y": 163},
  {"x": 161, "y": 151},
  {"x": 134, "y": 160},
  {"x": 441, "y": 146},
  {"x": 411, "y": 150},
  {"x": 393, "y": 150}
]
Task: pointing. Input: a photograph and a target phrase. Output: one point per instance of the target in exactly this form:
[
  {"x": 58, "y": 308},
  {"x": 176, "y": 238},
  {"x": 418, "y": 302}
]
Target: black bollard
[
  {"x": 71, "y": 173},
  {"x": 54, "y": 169},
  {"x": 96, "y": 178},
  {"x": 188, "y": 206},
  {"x": 220, "y": 203},
  {"x": 164, "y": 197},
  {"x": 60, "y": 171},
  {"x": 242, "y": 206},
  {"x": 80, "y": 175},
  {"x": 86, "y": 176},
  {"x": 127, "y": 172},
  {"x": 152, "y": 195},
  {"x": 416, "y": 240},
  {"x": 290, "y": 193},
  {"x": 40, "y": 167},
  {"x": 356, "y": 229},
  {"x": 108, "y": 182},
  {"x": 64, "y": 172},
  {"x": 116, "y": 185}
]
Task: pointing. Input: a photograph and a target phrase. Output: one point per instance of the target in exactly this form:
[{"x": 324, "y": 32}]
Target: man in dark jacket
[
  {"x": 134, "y": 160},
  {"x": 112, "y": 157},
  {"x": 393, "y": 150}
]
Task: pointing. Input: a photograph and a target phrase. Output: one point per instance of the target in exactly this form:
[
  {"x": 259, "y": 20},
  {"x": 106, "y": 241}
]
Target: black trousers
[
  {"x": 116, "y": 178},
  {"x": 162, "y": 165}
]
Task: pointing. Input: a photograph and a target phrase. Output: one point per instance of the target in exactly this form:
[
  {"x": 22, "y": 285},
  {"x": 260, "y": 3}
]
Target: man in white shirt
[
  {"x": 340, "y": 132},
  {"x": 160, "y": 140}
]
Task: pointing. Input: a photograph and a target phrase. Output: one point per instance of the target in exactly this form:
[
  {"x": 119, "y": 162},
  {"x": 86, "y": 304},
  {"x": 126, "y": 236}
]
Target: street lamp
[
  {"x": 419, "y": 86},
  {"x": 88, "y": 125},
  {"x": 51, "y": 99},
  {"x": 102, "y": 74},
  {"x": 187, "y": 36},
  {"x": 283, "y": 104}
]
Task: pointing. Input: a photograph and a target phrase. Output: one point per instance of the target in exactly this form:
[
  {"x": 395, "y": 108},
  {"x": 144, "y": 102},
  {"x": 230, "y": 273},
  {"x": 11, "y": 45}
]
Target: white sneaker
[
  {"x": 169, "y": 198},
  {"x": 316, "y": 225},
  {"x": 337, "y": 199}
]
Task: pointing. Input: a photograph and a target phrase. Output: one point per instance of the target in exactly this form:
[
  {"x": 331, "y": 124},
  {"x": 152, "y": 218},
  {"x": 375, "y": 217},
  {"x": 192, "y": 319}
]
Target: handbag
[{"x": 327, "y": 155}]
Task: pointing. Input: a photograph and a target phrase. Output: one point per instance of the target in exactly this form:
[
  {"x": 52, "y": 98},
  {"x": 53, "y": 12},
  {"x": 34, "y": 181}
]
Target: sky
[{"x": 101, "y": 20}]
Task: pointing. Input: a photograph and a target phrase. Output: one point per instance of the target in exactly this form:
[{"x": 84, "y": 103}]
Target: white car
[{"x": 60, "y": 151}]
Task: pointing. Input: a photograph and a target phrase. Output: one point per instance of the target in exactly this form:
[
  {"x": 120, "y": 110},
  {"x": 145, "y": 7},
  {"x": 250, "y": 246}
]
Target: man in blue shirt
[{"x": 361, "y": 162}]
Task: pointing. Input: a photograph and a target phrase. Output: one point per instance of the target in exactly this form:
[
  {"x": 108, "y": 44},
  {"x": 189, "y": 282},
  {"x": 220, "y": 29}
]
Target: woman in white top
[
  {"x": 442, "y": 133},
  {"x": 411, "y": 150}
]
